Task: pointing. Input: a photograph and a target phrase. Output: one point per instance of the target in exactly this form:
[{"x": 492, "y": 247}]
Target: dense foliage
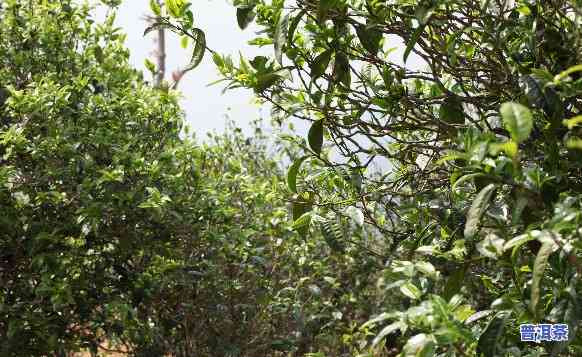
[
  {"x": 431, "y": 210},
  {"x": 464, "y": 170},
  {"x": 117, "y": 234}
]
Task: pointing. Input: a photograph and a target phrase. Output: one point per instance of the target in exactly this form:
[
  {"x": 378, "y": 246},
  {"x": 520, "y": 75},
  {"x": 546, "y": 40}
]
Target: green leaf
[
  {"x": 341, "y": 69},
  {"x": 174, "y": 7},
  {"x": 540, "y": 264},
  {"x": 280, "y": 37},
  {"x": 410, "y": 290},
  {"x": 412, "y": 41},
  {"x": 333, "y": 235},
  {"x": 451, "y": 111},
  {"x": 301, "y": 216},
  {"x": 299, "y": 208},
  {"x": 323, "y": 9},
  {"x": 320, "y": 64},
  {"x": 292, "y": 174},
  {"x": 293, "y": 26},
  {"x": 265, "y": 81},
  {"x": 489, "y": 342},
  {"x": 574, "y": 143},
  {"x": 244, "y": 16},
  {"x": 199, "y": 49},
  {"x": 464, "y": 178},
  {"x": 150, "y": 66},
  {"x": 454, "y": 283},
  {"x": 421, "y": 345},
  {"x": 566, "y": 73},
  {"x": 155, "y": 7},
  {"x": 520, "y": 240},
  {"x": 98, "y": 52},
  {"x": 423, "y": 13},
  {"x": 302, "y": 221},
  {"x": 395, "y": 326},
  {"x": 315, "y": 136},
  {"x": 184, "y": 41},
  {"x": 573, "y": 122},
  {"x": 369, "y": 38},
  {"x": 477, "y": 210},
  {"x": 509, "y": 147},
  {"x": 517, "y": 119},
  {"x": 382, "y": 317}
]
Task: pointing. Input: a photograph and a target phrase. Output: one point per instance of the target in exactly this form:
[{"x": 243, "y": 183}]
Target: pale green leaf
[
  {"x": 518, "y": 120},
  {"x": 540, "y": 264}
]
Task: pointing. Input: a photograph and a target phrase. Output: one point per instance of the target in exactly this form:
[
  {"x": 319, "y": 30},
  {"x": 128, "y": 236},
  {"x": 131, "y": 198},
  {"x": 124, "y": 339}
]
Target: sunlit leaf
[
  {"x": 155, "y": 7},
  {"x": 517, "y": 119},
  {"x": 410, "y": 290}
]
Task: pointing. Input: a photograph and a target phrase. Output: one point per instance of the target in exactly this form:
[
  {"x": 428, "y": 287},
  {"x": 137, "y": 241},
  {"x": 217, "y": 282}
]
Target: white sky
[{"x": 205, "y": 107}]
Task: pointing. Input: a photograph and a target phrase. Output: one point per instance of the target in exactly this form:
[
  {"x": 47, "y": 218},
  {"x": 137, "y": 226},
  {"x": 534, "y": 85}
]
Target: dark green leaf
[
  {"x": 323, "y": 9},
  {"x": 489, "y": 342},
  {"x": 315, "y": 136},
  {"x": 244, "y": 16},
  {"x": 265, "y": 81},
  {"x": 301, "y": 217},
  {"x": 302, "y": 222},
  {"x": 320, "y": 64},
  {"x": 341, "y": 69},
  {"x": 293, "y": 26},
  {"x": 477, "y": 210},
  {"x": 199, "y": 49},
  {"x": 370, "y": 38},
  {"x": 451, "y": 111},
  {"x": 412, "y": 41},
  {"x": 98, "y": 52},
  {"x": 333, "y": 235},
  {"x": 454, "y": 283},
  {"x": 395, "y": 326},
  {"x": 259, "y": 63},
  {"x": 292, "y": 174},
  {"x": 155, "y": 26}
]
